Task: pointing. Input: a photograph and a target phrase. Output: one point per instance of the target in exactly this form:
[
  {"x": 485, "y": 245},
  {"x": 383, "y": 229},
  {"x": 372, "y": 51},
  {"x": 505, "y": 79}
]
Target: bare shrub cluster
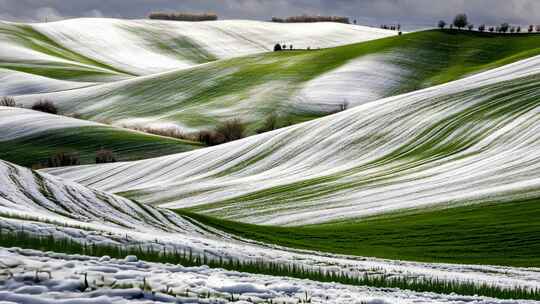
[
  {"x": 7, "y": 101},
  {"x": 308, "y": 18},
  {"x": 46, "y": 106},
  {"x": 172, "y": 132},
  {"x": 227, "y": 131},
  {"x": 183, "y": 16},
  {"x": 104, "y": 156},
  {"x": 63, "y": 159}
]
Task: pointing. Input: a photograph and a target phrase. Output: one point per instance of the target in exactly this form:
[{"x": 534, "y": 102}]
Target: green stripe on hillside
[
  {"x": 86, "y": 141},
  {"x": 31, "y": 38},
  {"x": 495, "y": 233}
]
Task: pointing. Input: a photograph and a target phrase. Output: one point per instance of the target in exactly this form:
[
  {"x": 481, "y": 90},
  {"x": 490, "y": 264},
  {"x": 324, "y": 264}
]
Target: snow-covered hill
[
  {"x": 470, "y": 140},
  {"x": 44, "y": 205},
  {"x": 150, "y": 46}
]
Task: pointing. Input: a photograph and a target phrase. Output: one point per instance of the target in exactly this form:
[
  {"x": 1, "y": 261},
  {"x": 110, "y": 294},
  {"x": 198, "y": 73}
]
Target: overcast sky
[{"x": 411, "y": 13}]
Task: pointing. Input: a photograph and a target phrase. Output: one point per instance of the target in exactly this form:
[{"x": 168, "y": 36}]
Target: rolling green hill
[
  {"x": 491, "y": 233},
  {"x": 296, "y": 86},
  {"x": 32, "y": 137}
]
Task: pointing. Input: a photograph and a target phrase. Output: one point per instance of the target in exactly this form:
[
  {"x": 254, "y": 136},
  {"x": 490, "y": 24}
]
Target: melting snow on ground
[{"x": 34, "y": 277}]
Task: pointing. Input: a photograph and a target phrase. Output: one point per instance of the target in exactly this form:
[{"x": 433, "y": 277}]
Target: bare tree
[
  {"x": 7, "y": 101},
  {"x": 441, "y": 24}
]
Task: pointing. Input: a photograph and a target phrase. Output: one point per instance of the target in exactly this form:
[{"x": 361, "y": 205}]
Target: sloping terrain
[
  {"x": 32, "y": 137},
  {"x": 32, "y": 197},
  {"x": 42, "y": 205},
  {"x": 433, "y": 158},
  {"x": 470, "y": 234},
  {"x": 467, "y": 141},
  {"x": 294, "y": 86},
  {"x": 101, "y": 50}
]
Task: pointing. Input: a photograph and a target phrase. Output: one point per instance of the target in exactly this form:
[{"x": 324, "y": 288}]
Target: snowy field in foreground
[
  {"x": 349, "y": 161},
  {"x": 43, "y": 205},
  {"x": 189, "y": 285}
]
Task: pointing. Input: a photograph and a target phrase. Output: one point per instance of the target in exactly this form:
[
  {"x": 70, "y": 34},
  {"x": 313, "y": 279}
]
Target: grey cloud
[{"x": 407, "y": 12}]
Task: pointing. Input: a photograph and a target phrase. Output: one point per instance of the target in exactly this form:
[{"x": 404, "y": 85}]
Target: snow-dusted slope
[
  {"x": 19, "y": 83},
  {"x": 18, "y": 122},
  {"x": 150, "y": 46},
  {"x": 43, "y": 198},
  {"x": 470, "y": 140},
  {"x": 43, "y": 205}
]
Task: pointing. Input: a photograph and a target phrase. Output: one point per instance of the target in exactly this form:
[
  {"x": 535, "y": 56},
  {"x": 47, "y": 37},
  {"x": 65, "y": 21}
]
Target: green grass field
[
  {"x": 494, "y": 233},
  {"x": 86, "y": 141}
]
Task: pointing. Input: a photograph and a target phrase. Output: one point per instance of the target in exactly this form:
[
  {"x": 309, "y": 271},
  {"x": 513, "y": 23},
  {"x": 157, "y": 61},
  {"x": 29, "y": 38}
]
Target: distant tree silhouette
[
  {"x": 491, "y": 29},
  {"x": 518, "y": 29},
  {"x": 538, "y": 28},
  {"x": 531, "y": 28},
  {"x": 277, "y": 47},
  {"x": 291, "y": 47},
  {"x": 441, "y": 24},
  {"x": 470, "y": 26},
  {"x": 482, "y": 28},
  {"x": 503, "y": 28},
  {"x": 461, "y": 21}
]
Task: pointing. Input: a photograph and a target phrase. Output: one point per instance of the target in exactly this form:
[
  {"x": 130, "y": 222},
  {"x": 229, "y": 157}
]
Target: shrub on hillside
[
  {"x": 7, "y": 101},
  {"x": 167, "y": 132},
  {"x": 45, "y": 106},
  {"x": 461, "y": 21},
  {"x": 441, "y": 24},
  {"x": 210, "y": 138},
  {"x": 63, "y": 159},
  {"x": 228, "y": 131},
  {"x": 231, "y": 130},
  {"x": 104, "y": 156},
  {"x": 183, "y": 16},
  {"x": 310, "y": 19}
]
